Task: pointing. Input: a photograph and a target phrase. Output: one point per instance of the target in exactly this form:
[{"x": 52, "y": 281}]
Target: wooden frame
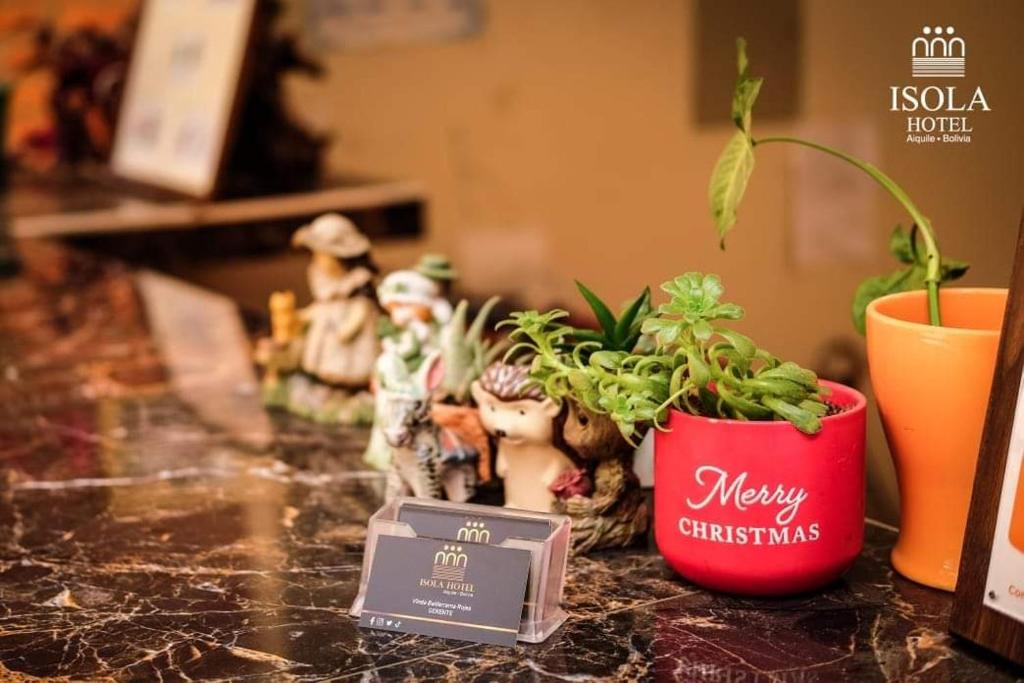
[
  {"x": 186, "y": 83},
  {"x": 988, "y": 608}
]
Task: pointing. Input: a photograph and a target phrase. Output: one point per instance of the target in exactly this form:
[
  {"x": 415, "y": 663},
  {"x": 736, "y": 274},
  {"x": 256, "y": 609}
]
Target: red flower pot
[{"x": 760, "y": 508}]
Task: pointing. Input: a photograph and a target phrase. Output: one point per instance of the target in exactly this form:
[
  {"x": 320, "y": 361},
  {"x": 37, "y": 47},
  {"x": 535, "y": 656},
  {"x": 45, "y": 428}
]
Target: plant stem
[{"x": 933, "y": 268}]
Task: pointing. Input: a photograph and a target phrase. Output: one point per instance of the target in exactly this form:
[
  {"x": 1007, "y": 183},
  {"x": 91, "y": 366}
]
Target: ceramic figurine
[
  {"x": 284, "y": 321},
  {"x": 416, "y": 310},
  {"x": 319, "y": 358},
  {"x": 440, "y": 270},
  {"x": 419, "y": 463},
  {"x": 280, "y": 353},
  {"x": 465, "y": 354},
  {"x": 341, "y": 340},
  {"x": 526, "y": 424},
  {"x": 604, "y": 498}
]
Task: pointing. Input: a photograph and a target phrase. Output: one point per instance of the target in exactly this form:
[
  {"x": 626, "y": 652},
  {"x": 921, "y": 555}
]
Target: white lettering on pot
[
  {"x": 743, "y": 497},
  {"x": 718, "y": 487}
]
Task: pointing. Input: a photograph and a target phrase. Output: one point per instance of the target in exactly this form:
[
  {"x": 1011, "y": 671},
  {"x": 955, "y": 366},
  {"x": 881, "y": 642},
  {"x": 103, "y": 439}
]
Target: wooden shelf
[{"x": 64, "y": 207}]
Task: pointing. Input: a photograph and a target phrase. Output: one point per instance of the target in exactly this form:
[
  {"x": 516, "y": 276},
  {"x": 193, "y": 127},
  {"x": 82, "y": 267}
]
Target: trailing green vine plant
[
  {"x": 684, "y": 358},
  {"x": 917, "y": 249}
]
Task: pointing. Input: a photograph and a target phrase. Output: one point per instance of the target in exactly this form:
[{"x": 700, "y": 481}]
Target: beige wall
[{"x": 561, "y": 144}]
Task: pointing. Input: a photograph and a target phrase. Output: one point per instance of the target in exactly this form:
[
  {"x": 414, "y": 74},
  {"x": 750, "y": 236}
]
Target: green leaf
[
  {"x": 743, "y": 99},
  {"x": 699, "y": 372},
  {"x": 603, "y": 313},
  {"x": 609, "y": 360},
  {"x": 580, "y": 335},
  {"x": 792, "y": 372},
  {"x": 729, "y": 181},
  {"x": 702, "y": 330},
  {"x": 804, "y": 420},
  {"x": 746, "y": 90},
  {"x": 776, "y": 387},
  {"x": 902, "y": 280},
  {"x": 953, "y": 269},
  {"x": 711, "y": 290},
  {"x": 743, "y": 406},
  {"x": 816, "y": 407},
  {"x": 743, "y": 344},
  {"x": 477, "y": 327},
  {"x": 728, "y": 312},
  {"x": 655, "y": 325},
  {"x": 901, "y": 245},
  {"x": 625, "y": 327}
]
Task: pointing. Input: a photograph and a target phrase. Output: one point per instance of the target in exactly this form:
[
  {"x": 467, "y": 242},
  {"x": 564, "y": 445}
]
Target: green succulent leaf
[
  {"x": 791, "y": 372},
  {"x": 743, "y": 407},
  {"x": 728, "y": 312},
  {"x": 588, "y": 336},
  {"x": 815, "y": 407},
  {"x": 743, "y": 344},
  {"x": 605, "y": 359},
  {"x": 695, "y": 296},
  {"x": 700, "y": 374},
  {"x": 804, "y": 420},
  {"x": 604, "y": 315},
  {"x": 780, "y": 388},
  {"x": 628, "y": 326},
  {"x": 703, "y": 330},
  {"x": 676, "y": 357}
]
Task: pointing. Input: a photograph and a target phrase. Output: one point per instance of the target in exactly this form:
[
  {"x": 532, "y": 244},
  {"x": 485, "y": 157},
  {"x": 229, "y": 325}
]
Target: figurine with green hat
[{"x": 439, "y": 269}]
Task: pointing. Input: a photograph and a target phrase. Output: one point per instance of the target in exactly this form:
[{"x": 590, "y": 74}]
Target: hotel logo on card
[
  {"x": 474, "y": 532},
  {"x": 450, "y": 564}
]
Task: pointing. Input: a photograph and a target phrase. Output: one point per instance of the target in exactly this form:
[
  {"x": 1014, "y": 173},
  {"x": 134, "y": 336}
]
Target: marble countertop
[{"x": 157, "y": 524}]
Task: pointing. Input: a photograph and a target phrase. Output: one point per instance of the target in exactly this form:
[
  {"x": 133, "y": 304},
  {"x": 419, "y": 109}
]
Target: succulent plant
[
  {"x": 692, "y": 363},
  {"x": 465, "y": 352},
  {"x": 616, "y": 334}
]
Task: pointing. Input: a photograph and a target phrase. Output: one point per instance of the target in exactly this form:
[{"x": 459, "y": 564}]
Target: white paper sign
[
  {"x": 1004, "y": 587},
  {"x": 361, "y": 24},
  {"x": 834, "y": 219},
  {"x": 182, "y": 82}
]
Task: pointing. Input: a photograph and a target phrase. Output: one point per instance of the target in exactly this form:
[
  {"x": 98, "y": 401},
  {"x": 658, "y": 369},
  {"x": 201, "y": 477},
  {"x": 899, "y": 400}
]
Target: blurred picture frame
[
  {"x": 988, "y": 608},
  {"x": 186, "y": 81}
]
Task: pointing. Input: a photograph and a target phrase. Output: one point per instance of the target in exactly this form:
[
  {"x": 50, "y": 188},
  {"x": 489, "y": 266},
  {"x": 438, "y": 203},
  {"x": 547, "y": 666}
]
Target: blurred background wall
[
  {"x": 563, "y": 143},
  {"x": 568, "y": 140}
]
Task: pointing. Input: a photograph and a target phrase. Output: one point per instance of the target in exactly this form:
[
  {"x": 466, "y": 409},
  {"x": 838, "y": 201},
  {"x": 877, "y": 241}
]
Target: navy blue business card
[
  {"x": 446, "y": 588},
  {"x": 475, "y": 527}
]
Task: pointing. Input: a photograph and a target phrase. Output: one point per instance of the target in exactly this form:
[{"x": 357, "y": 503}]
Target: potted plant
[
  {"x": 759, "y": 471},
  {"x": 582, "y": 465},
  {"x": 931, "y": 354}
]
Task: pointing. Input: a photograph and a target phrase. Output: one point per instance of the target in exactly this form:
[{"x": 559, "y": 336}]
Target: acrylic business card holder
[{"x": 542, "y": 607}]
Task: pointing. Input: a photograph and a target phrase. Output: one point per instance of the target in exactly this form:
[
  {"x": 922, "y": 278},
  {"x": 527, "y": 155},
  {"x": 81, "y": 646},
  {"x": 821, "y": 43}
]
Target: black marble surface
[{"x": 156, "y": 524}]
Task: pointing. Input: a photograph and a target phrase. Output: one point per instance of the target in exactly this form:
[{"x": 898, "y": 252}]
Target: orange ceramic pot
[{"x": 932, "y": 386}]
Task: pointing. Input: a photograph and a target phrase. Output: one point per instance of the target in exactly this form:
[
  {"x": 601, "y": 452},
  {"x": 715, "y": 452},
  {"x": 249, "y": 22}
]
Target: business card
[
  {"x": 478, "y": 527},
  {"x": 448, "y": 589}
]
